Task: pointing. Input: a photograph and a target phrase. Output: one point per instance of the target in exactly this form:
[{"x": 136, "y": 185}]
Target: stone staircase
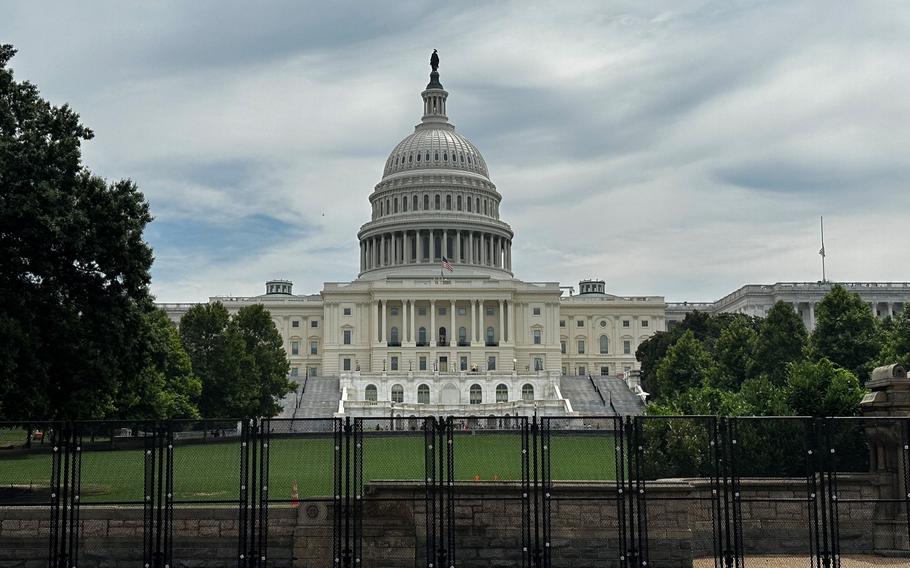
[
  {"x": 585, "y": 399},
  {"x": 319, "y": 399}
]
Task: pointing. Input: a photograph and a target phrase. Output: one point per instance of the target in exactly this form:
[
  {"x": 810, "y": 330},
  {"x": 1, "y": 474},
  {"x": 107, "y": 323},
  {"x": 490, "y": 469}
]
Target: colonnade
[
  {"x": 408, "y": 333},
  {"x": 428, "y": 246}
]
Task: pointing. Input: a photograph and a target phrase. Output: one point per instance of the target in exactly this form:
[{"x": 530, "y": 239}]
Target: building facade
[{"x": 437, "y": 323}]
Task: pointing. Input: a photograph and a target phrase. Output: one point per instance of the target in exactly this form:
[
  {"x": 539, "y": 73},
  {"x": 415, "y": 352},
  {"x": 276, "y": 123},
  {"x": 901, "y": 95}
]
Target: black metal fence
[{"x": 552, "y": 491}]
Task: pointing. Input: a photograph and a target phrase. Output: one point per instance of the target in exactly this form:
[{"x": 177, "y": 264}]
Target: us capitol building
[{"x": 437, "y": 323}]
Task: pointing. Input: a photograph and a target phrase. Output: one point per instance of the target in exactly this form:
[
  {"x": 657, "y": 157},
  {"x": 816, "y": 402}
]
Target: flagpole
[{"x": 822, "y": 251}]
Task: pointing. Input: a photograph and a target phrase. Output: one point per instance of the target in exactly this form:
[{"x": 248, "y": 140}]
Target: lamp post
[{"x": 514, "y": 365}]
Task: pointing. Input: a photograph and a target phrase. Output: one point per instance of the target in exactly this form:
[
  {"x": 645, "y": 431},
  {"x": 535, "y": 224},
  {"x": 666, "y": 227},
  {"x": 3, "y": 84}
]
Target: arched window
[
  {"x": 414, "y": 203},
  {"x": 423, "y": 394},
  {"x": 410, "y": 158},
  {"x": 449, "y": 202},
  {"x": 397, "y": 393},
  {"x": 436, "y": 200},
  {"x": 470, "y": 207},
  {"x": 393, "y": 335},
  {"x": 418, "y": 157},
  {"x": 491, "y": 336},
  {"x": 428, "y": 155},
  {"x": 445, "y": 157},
  {"x": 477, "y": 204},
  {"x": 527, "y": 392},
  {"x": 458, "y": 203},
  {"x": 484, "y": 206},
  {"x": 395, "y": 205},
  {"x": 476, "y": 393},
  {"x": 426, "y": 202},
  {"x": 436, "y": 156},
  {"x": 442, "y": 336},
  {"x": 380, "y": 208},
  {"x": 502, "y": 393},
  {"x": 422, "y": 335},
  {"x": 370, "y": 393},
  {"x": 604, "y": 344},
  {"x": 404, "y": 204},
  {"x": 462, "y": 335}
]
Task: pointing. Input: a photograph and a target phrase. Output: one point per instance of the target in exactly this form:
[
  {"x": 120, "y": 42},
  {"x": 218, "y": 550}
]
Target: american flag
[{"x": 446, "y": 265}]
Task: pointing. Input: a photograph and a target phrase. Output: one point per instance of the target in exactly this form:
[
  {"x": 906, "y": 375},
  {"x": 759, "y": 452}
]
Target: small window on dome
[
  {"x": 469, "y": 158},
  {"x": 428, "y": 156},
  {"x": 462, "y": 157},
  {"x": 445, "y": 157},
  {"x": 411, "y": 158},
  {"x": 436, "y": 156},
  {"x": 418, "y": 157}
]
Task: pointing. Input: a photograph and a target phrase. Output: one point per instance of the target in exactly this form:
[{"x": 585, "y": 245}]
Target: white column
[
  {"x": 432, "y": 254},
  {"x": 374, "y": 326},
  {"x": 512, "y": 323},
  {"x": 811, "y": 316},
  {"x": 502, "y": 324},
  {"x": 433, "y": 322},
  {"x": 452, "y": 339},
  {"x": 444, "y": 244},
  {"x": 385, "y": 309},
  {"x": 891, "y": 309},
  {"x": 457, "y": 246},
  {"x": 473, "y": 320},
  {"x": 413, "y": 329}
]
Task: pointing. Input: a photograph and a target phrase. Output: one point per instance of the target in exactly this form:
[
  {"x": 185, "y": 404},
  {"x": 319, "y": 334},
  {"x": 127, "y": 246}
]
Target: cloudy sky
[{"x": 673, "y": 148}]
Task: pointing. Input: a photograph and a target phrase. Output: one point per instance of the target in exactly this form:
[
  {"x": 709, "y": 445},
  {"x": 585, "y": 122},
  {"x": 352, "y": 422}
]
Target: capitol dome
[
  {"x": 436, "y": 147},
  {"x": 435, "y": 205}
]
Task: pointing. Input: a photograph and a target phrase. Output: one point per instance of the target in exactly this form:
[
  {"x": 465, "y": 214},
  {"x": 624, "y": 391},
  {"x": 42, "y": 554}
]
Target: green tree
[
  {"x": 822, "y": 388},
  {"x": 240, "y": 360},
  {"x": 687, "y": 364},
  {"x": 165, "y": 387},
  {"x": 761, "y": 397},
  {"x": 896, "y": 341},
  {"x": 781, "y": 339},
  {"x": 264, "y": 346},
  {"x": 74, "y": 269},
  {"x": 845, "y": 332},
  {"x": 734, "y": 353}
]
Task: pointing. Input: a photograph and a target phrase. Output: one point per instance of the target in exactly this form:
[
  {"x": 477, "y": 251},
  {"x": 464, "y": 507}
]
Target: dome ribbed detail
[{"x": 437, "y": 148}]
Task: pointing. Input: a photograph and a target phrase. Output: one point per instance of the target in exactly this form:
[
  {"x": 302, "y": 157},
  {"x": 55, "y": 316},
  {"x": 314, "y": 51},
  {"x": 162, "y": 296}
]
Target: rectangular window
[
  {"x": 581, "y": 346},
  {"x": 562, "y": 348},
  {"x": 346, "y": 364},
  {"x": 491, "y": 363},
  {"x": 311, "y": 371},
  {"x": 394, "y": 360},
  {"x": 491, "y": 311},
  {"x": 421, "y": 311},
  {"x": 314, "y": 347},
  {"x": 463, "y": 363},
  {"x": 346, "y": 336},
  {"x": 626, "y": 323},
  {"x": 295, "y": 372},
  {"x": 644, "y": 323},
  {"x": 393, "y": 310},
  {"x": 314, "y": 323},
  {"x": 562, "y": 323},
  {"x": 295, "y": 348},
  {"x": 581, "y": 372},
  {"x": 346, "y": 311},
  {"x": 627, "y": 347},
  {"x": 538, "y": 364},
  {"x": 442, "y": 311},
  {"x": 580, "y": 323},
  {"x": 536, "y": 311},
  {"x": 604, "y": 371},
  {"x": 295, "y": 323},
  {"x": 461, "y": 311},
  {"x": 536, "y": 334},
  {"x": 422, "y": 364}
]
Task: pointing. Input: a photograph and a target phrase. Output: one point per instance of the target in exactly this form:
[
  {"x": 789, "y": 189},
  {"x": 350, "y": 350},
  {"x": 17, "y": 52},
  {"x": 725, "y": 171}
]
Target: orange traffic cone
[
  {"x": 476, "y": 477},
  {"x": 295, "y": 496}
]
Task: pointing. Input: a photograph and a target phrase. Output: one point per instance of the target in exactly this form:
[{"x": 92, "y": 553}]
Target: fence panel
[
  {"x": 31, "y": 464},
  {"x": 779, "y": 509},
  {"x": 117, "y": 463},
  {"x": 302, "y": 462},
  {"x": 207, "y": 489},
  {"x": 489, "y": 470},
  {"x": 867, "y": 475},
  {"x": 680, "y": 521},
  {"x": 392, "y": 484},
  {"x": 583, "y": 498}
]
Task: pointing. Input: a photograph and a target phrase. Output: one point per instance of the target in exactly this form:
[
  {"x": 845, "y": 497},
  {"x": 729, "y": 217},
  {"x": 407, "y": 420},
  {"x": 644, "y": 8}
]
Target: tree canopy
[
  {"x": 845, "y": 332},
  {"x": 74, "y": 268},
  {"x": 240, "y": 360}
]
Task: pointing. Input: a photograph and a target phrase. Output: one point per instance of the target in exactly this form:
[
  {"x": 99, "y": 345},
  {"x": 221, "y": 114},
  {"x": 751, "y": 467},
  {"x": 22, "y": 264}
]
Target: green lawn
[{"x": 211, "y": 472}]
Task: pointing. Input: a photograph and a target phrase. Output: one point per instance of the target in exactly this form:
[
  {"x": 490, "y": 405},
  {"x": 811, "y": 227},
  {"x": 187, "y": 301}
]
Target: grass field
[{"x": 211, "y": 472}]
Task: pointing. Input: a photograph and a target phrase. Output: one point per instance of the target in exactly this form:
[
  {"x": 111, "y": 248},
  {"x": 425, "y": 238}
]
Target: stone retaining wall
[{"x": 488, "y": 526}]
